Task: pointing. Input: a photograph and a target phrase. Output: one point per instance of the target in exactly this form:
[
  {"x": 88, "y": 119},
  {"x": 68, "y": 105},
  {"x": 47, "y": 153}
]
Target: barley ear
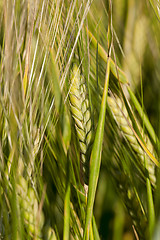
[
  {"x": 120, "y": 115},
  {"x": 33, "y": 219},
  {"x": 80, "y": 110},
  {"x": 131, "y": 201}
]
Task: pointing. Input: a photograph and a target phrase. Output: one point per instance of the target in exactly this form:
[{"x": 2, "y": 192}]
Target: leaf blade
[{"x": 95, "y": 159}]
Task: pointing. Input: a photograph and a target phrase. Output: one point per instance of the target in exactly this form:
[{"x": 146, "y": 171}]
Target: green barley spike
[
  {"x": 33, "y": 219},
  {"x": 132, "y": 203},
  {"x": 118, "y": 109},
  {"x": 80, "y": 110}
]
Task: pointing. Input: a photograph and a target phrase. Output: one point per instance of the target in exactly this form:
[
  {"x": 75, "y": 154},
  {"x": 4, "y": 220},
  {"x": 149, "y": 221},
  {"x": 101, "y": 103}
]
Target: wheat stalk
[
  {"x": 80, "y": 110},
  {"x": 121, "y": 116}
]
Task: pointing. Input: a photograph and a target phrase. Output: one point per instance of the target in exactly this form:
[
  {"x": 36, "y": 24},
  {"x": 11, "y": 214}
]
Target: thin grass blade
[
  {"x": 67, "y": 211},
  {"x": 95, "y": 230},
  {"x": 151, "y": 212},
  {"x": 95, "y": 159},
  {"x": 114, "y": 68},
  {"x": 143, "y": 116},
  {"x": 156, "y": 7}
]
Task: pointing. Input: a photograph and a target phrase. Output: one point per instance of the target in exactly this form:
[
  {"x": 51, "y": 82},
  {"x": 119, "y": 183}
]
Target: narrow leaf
[
  {"x": 156, "y": 8},
  {"x": 55, "y": 79},
  {"x": 95, "y": 159},
  {"x": 95, "y": 230},
  {"x": 67, "y": 212},
  {"x": 25, "y": 81},
  {"x": 146, "y": 150},
  {"x": 151, "y": 212},
  {"x": 143, "y": 116},
  {"x": 114, "y": 68}
]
